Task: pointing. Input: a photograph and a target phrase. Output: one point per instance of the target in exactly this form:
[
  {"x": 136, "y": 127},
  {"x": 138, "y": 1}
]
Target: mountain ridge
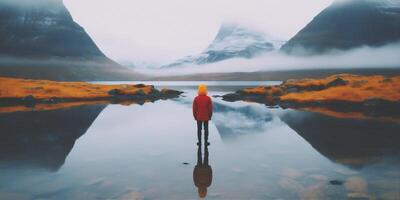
[
  {"x": 39, "y": 39},
  {"x": 348, "y": 24},
  {"x": 232, "y": 41}
]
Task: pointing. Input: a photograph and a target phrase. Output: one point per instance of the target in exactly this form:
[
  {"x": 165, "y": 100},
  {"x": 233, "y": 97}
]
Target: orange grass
[
  {"x": 43, "y": 89},
  {"x": 269, "y": 90},
  {"x": 358, "y": 89}
]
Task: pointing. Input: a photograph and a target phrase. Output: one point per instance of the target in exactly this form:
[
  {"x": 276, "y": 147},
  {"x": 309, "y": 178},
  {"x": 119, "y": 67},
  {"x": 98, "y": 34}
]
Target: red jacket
[{"x": 202, "y": 108}]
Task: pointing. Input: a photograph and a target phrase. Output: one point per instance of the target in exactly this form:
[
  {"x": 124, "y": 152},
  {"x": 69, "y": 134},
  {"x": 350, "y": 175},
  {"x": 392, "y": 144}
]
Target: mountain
[
  {"x": 232, "y": 41},
  {"x": 38, "y": 36},
  {"x": 347, "y": 24}
]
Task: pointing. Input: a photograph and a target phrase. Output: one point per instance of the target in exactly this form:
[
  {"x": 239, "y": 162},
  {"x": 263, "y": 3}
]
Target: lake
[{"x": 149, "y": 152}]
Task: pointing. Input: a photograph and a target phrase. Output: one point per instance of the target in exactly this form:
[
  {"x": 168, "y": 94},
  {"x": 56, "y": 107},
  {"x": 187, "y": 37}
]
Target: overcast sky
[{"x": 164, "y": 30}]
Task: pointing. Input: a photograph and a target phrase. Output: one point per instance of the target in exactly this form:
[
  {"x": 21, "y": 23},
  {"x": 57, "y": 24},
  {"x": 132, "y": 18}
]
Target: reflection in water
[
  {"x": 43, "y": 139},
  {"x": 235, "y": 121},
  {"x": 232, "y": 122},
  {"x": 355, "y": 143},
  {"x": 202, "y": 173},
  {"x": 134, "y": 152}
]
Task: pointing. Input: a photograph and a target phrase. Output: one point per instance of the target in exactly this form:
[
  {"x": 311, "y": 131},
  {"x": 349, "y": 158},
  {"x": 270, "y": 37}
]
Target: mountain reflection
[
  {"x": 232, "y": 122},
  {"x": 352, "y": 142},
  {"x": 43, "y": 139}
]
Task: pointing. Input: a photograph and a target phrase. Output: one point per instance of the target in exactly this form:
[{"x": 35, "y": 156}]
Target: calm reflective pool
[{"x": 150, "y": 152}]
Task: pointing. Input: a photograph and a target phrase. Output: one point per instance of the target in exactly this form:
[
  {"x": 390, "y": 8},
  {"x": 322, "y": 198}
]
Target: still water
[{"x": 150, "y": 152}]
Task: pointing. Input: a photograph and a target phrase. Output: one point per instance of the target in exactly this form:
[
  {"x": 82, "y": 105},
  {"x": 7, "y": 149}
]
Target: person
[
  {"x": 202, "y": 173},
  {"x": 202, "y": 112}
]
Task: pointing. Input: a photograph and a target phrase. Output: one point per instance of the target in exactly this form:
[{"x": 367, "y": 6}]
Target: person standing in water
[{"x": 202, "y": 112}]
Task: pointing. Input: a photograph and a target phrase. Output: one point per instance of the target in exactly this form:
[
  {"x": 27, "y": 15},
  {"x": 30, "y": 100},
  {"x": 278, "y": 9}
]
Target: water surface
[{"x": 150, "y": 152}]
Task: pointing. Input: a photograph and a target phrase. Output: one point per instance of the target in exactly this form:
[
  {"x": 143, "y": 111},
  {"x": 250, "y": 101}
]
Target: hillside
[{"x": 41, "y": 40}]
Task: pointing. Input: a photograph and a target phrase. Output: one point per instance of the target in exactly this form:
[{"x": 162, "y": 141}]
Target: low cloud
[
  {"x": 363, "y": 57},
  {"x": 15, "y": 61}
]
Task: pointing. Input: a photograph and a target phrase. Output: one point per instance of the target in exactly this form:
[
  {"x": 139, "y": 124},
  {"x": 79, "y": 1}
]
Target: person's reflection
[{"x": 202, "y": 173}]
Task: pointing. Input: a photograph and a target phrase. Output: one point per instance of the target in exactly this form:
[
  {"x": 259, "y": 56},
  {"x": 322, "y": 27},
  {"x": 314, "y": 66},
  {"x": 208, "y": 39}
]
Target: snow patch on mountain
[{"x": 233, "y": 41}]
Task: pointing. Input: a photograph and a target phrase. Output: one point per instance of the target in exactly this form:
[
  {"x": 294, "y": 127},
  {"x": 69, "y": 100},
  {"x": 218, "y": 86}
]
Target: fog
[
  {"x": 160, "y": 32},
  {"x": 363, "y": 57},
  {"x": 163, "y": 31},
  {"x": 54, "y": 62}
]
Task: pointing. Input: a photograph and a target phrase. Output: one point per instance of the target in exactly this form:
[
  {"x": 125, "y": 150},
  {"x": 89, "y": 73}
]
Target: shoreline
[
  {"x": 29, "y": 93},
  {"x": 369, "y": 95}
]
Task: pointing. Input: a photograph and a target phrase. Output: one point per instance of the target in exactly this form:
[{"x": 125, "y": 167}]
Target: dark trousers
[{"x": 200, "y": 125}]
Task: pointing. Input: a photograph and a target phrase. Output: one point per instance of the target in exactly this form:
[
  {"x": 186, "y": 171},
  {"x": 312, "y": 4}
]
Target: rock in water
[{"x": 335, "y": 182}]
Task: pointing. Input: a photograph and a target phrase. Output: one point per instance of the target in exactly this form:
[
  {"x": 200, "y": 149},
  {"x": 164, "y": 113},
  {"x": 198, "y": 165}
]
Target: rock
[
  {"x": 29, "y": 101},
  {"x": 231, "y": 97},
  {"x": 315, "y": 88},
  {"x": 140, "y": 92},
  {"x": 336, "y": 182},
  {"x": 140, "y": 85},
  {"x": 337, "y": 82},
  {"x": 29, "y": 98},
  {"x": 171, "y": 93},
  {"x": 114, "y": 92},
  {"x": 292, "y": 90},
  {"x": 155, "y": 92},
  {"x": 286, "y": 104}
]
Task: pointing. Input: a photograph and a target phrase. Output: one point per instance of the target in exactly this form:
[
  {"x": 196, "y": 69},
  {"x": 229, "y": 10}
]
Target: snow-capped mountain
[
  {"x": 232, "y": 41},
  {"x": 347, "y": 24}
]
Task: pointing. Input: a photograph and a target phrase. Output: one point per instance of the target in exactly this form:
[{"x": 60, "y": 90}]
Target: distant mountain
[
  {"x": 37, "y": 36},
  {"x": 232, "y": 41},
  {"x": 347, "y": 24}
]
